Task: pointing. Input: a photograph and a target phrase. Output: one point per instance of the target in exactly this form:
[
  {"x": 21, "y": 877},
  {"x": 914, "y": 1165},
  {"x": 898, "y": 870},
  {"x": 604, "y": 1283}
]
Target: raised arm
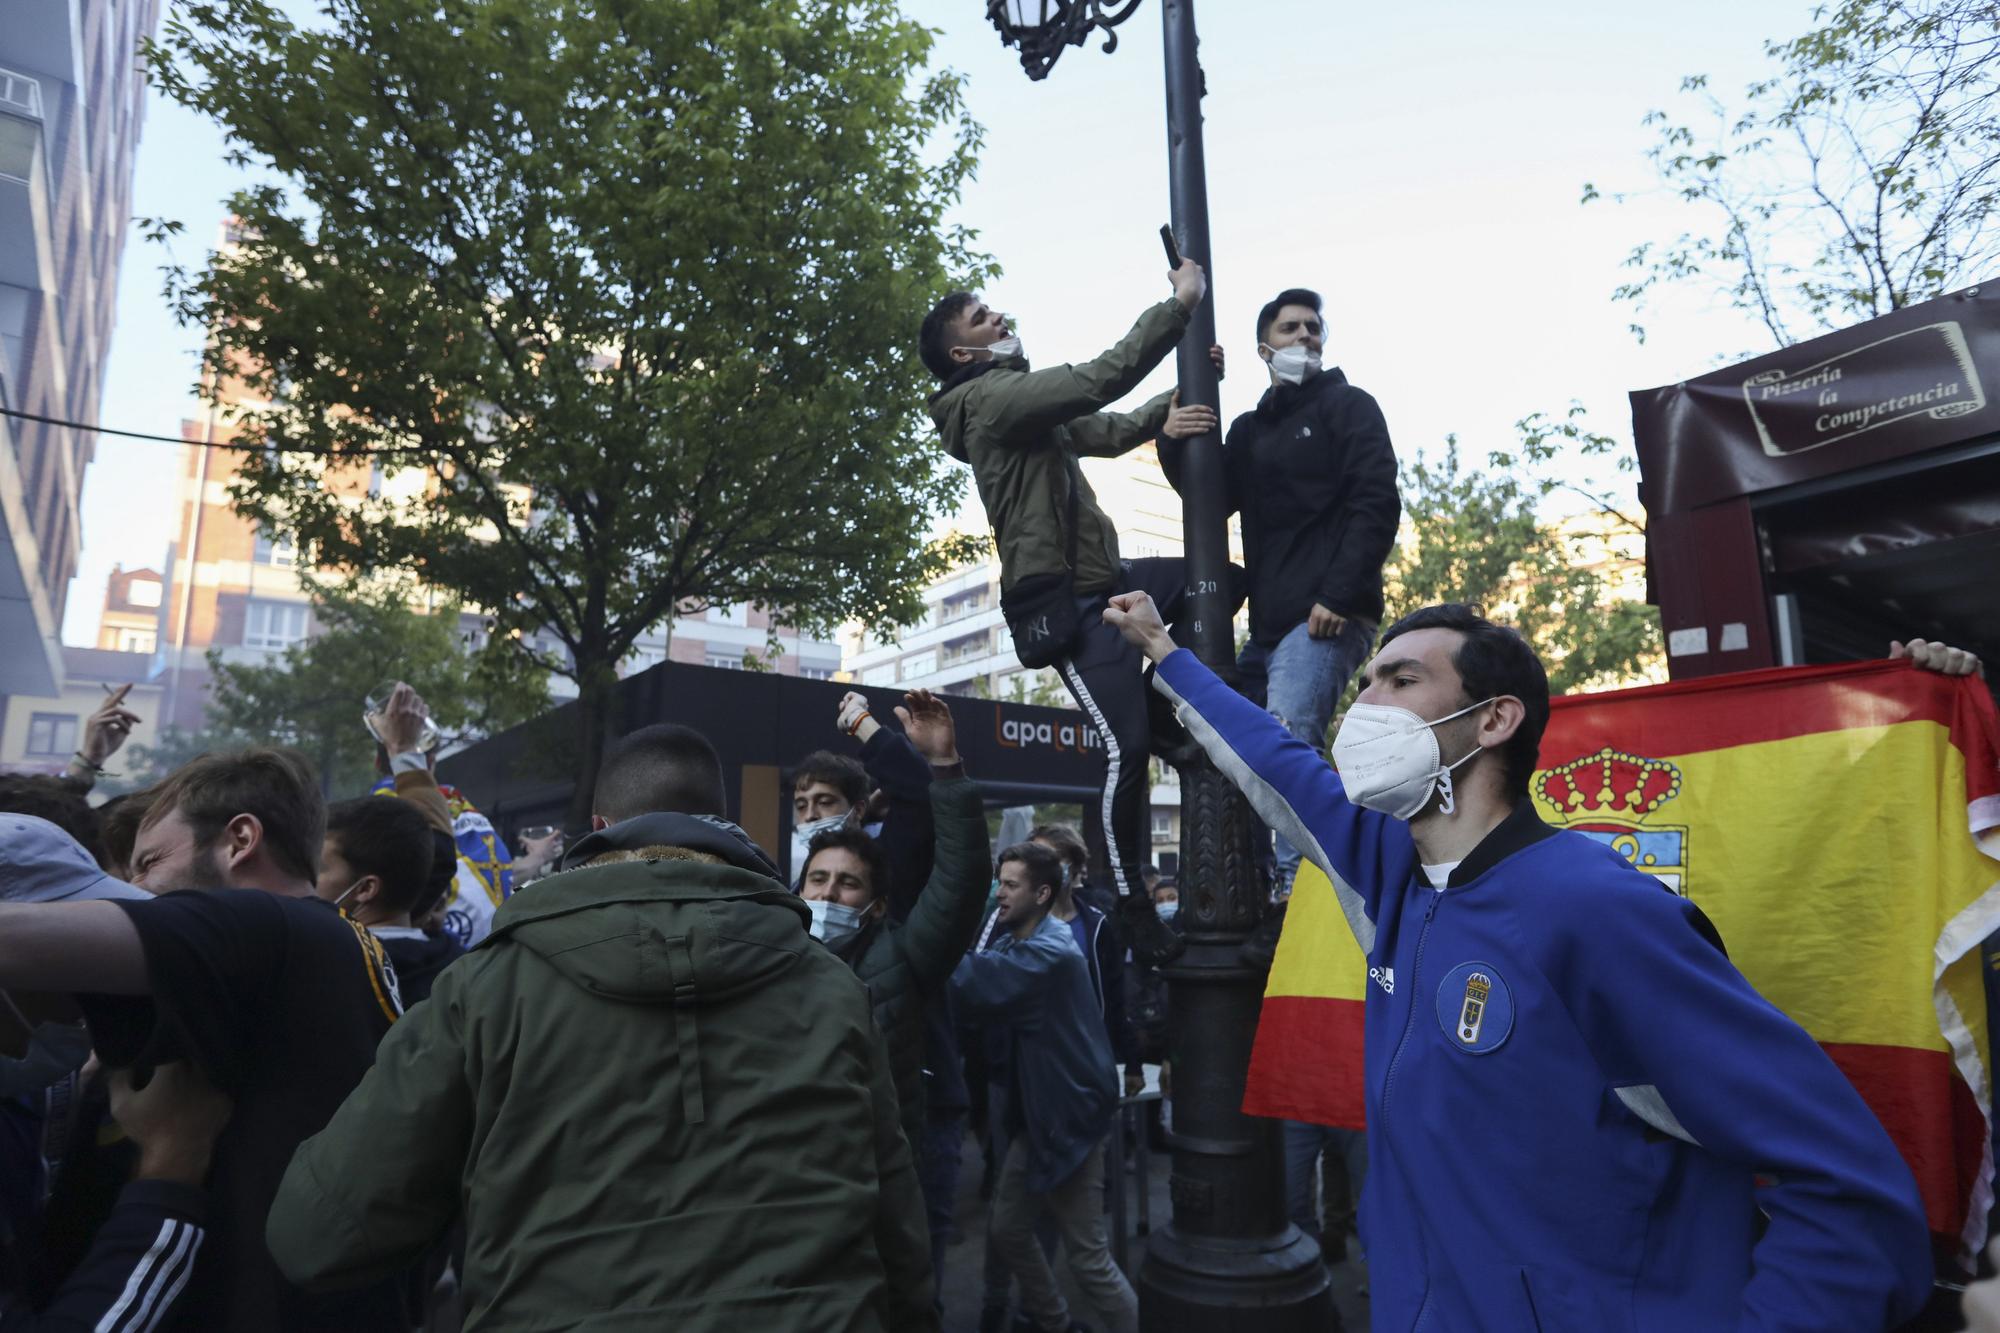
[
  {"x": 946, "y": 920},
  {"x": 1023, "y": 408},
  {"x": 1362, "y": 852}
]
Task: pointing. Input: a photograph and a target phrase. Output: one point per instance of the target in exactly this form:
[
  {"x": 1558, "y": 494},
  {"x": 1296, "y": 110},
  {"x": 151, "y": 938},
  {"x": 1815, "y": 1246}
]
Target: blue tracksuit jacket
[{"x": 1570, "y": 1088}]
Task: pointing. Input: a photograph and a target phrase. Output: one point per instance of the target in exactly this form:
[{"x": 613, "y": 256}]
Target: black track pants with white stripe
[
  {"x": 135, "y": 1270},
  {"x": 1104, "y": 674}
]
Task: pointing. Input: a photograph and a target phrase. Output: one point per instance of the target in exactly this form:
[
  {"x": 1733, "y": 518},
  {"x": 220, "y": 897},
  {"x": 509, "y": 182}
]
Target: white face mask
[
  {"x": 833, "y": 922},
  {"x": 1167, "y": 911},
  {"x": 802, "y": 836},
  {"x": 1388, "y": 759},
  {"x": 1006, "y": 347},
  {"x": 1294, "y": 364}
]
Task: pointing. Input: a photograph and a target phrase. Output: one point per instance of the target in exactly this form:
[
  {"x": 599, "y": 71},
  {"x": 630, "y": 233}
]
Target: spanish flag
[{"x": 1839, "y": 825}]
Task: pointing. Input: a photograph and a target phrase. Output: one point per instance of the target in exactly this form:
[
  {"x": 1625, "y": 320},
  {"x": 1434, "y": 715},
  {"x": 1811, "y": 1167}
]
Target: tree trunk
[{"x": 596, "y": 719}]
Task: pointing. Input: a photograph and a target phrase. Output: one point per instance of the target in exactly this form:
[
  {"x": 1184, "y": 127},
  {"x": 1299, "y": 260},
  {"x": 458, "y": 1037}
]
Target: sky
[{"x": 1421, "y": 168}]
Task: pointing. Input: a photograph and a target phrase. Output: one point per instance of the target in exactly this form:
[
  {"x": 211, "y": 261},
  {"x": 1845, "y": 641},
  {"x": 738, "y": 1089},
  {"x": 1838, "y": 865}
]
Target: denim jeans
[
  {"x": 1298, "y": 682},
  {"x": 1303, "y": 1145}
]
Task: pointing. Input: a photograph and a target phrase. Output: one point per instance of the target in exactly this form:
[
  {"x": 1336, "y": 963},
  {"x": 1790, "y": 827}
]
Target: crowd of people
[{"x": 268, "y": 1063}]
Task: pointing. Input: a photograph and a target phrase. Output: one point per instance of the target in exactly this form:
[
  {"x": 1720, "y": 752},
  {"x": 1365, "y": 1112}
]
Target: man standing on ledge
[
  {"x": 1022, "y": 432},
  {"x": 1572, "y": 1094}
]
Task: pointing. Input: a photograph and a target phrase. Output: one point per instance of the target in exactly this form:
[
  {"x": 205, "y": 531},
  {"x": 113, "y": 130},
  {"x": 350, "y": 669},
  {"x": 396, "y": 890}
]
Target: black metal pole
[{"x": 1230, "y": 1259}]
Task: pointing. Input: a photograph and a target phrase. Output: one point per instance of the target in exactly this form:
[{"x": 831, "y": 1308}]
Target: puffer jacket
[
  {"x": 658, "y": 1103},
  {"x": 906, "y": 964},
  {"x": 1022, "y": 431}
]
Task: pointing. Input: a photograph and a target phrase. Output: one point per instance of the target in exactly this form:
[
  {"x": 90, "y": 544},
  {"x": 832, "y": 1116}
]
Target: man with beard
[{"x": 236, "y": 966}]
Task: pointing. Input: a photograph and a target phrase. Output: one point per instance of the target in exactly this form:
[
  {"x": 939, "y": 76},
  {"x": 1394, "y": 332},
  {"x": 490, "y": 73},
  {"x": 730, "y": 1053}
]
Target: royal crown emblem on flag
[{"x": 1612, "y": 796}]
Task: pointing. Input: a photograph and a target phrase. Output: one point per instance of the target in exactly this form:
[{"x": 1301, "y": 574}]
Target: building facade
[
  {"x": 236, "y": 589},
  {"x": 38, "y": 734},
  {"x": 71, "y": 103}
]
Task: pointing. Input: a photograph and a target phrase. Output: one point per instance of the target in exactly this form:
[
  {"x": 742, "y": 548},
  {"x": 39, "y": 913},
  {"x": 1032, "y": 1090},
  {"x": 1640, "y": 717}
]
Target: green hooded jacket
[
  {"x": 1022, "y": 431},
  {"x": 907, "y": 964},
  {"x": 657, "y": 1101}
]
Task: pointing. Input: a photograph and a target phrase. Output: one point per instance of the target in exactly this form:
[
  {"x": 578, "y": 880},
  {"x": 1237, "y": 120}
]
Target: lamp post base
[
  {"x": 1274, "y": 1284},
  {"x": 1230, "y": 1259}
]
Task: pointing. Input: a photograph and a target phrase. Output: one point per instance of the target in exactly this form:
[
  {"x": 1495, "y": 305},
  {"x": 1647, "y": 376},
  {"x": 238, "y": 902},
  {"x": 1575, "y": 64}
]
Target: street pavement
[{"x": 962, "y": 1280}]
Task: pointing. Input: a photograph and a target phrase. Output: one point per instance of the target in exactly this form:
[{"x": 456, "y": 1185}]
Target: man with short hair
[
  {"x": 834, "y": 793},
  {"x": 1579, "y": 1111},
  {"x": 657, "y": 1101},
  {"x": 237, "y": 966},
  {"x": 376, "y": 866},
  {"x": 1313, "y": 474},
  {"x": 905, "y": 962},
  {"x": 1062, "y": 1094},
  {"x": 1022, "y": 432}
]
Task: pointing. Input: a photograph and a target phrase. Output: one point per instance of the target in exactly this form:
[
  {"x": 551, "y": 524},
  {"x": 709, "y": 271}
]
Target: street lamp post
[{"x": 1230, "y": 1259}]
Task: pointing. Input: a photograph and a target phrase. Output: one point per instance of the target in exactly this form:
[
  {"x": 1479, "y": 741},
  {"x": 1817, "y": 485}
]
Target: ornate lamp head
[{"x": 1042, "y": 28}]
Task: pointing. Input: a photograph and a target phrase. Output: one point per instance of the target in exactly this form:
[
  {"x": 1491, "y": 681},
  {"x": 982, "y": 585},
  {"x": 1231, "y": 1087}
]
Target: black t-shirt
[{"x": 281, "y": 1001}]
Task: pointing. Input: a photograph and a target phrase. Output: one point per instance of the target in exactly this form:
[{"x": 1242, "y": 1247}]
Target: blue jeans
[
  {"x": 1303, "y": 1145},
  {"x": 1298, "y": 682}
]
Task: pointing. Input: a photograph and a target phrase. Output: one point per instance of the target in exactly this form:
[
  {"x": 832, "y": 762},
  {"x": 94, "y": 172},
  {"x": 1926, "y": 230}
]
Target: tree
[
  {"x": 1483, "y": 537},
  {"x": 1862, "y": 176},
  {"x": 310, "y": 698},
  {"x": 587, "y": 310}
]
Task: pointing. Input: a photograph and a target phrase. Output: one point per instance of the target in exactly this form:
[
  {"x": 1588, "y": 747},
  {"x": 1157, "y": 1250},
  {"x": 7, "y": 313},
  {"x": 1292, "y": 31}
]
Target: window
[
  {"x": 920, "y": 664},
  {"x": 137, "y": 640},
  {"x": 816, "y": 673},
  {"x": 278, "y": 552},
  {"x": 273, "y": 624},
  {"x": 143, "y": 592},
  {"x": 880, "y": 675},
  {"x": 1163, "y": 823},
  {"x": 960, "y": 605},
  {"x": 51, "y": 734},
  {"x": 724, "y": 661},
  {"x": 737, "y": 615}
]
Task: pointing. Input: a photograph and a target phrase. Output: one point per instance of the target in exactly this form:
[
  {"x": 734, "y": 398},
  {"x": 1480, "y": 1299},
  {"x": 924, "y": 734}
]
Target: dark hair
[
  {"x": 1045, "y": 868},
  {"x": 444, "y": 870},
  {"x": 1067, "y": 844},
  {"x": 935, "y": 340},
  {"x": 275, "y": 785},
  {"x": 1290, "y": 296},
  {"x": 845, "y": 839},
  {"x": 1492, "y": 660},
  {"x": 837, "y": 771},
  {"x": 663, "y": 768},
  {"x": 388, "y": 838},
  {"x": 59, "y": 803},
  {"x": 120, "y": 818}
]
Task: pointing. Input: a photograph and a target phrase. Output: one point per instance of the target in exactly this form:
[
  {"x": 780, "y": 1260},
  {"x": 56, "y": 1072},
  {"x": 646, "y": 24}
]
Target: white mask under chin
[
  {"x": 802, "y": 836},
  {"x": 1294, "y": 364},
  {"x": 1388, "y": 759}
]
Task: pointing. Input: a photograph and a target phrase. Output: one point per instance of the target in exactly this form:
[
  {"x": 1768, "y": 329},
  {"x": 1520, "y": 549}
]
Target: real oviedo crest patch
[{"x": 1475, "y": 1008}]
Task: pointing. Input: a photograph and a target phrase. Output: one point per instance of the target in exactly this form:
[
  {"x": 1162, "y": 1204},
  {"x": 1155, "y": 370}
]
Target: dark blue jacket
[
  {"x": 1571, "y": 1092},
  {"x": 1063, "y": 1087}
]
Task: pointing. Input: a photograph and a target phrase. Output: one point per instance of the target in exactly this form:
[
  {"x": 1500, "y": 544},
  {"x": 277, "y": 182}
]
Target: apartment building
[{"x": 71, "y": 104}]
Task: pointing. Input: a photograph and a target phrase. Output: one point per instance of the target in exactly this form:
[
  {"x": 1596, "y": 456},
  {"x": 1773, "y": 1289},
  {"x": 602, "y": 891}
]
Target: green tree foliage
[
  {"x": 1496, "y": 538},
  {"x": 1863, "y": 175},
  {"x": 583, "y": 311},
  {"x": 311, "y": 696}
]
